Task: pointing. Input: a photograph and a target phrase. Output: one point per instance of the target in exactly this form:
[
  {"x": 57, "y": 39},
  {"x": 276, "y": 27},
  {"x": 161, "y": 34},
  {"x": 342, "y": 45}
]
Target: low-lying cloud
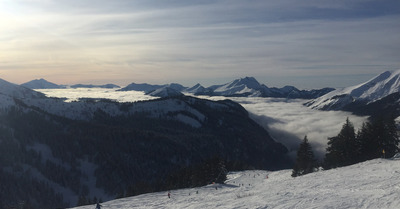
[{"x": 288, "y": 121}]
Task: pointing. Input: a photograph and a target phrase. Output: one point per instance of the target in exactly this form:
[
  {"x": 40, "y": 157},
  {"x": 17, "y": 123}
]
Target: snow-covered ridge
[
  {"x": 165, "y": 92},
  {"x": 372, "y": 184},
  {"x": 170, "y": 108},
  {"x": 13, "y": 90},
  {"x": 377, "y": 88},
  {"x": 175, "y": 106}
]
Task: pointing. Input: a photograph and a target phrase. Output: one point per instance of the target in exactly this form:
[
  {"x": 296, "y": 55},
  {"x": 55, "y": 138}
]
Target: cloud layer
[{"x": 288, "y": 121}]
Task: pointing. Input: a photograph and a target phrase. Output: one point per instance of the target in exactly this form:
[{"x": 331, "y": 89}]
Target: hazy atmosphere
[
  {"x": 308, "y": 44},
  {"x": 199, "y": 104}
]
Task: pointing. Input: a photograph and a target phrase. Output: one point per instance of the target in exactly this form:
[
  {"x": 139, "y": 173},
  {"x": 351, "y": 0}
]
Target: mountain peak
[
  {"x": 41, "y": 84},
  {"x": 380, "y": 86},
  {"x": 250, "y": 82}
]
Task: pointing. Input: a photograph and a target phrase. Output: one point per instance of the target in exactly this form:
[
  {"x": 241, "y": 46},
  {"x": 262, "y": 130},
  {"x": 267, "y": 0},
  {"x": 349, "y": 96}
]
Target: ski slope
[{"x": 372, "y": 184}]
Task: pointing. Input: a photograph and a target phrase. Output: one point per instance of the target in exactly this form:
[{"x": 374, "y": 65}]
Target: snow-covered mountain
[
  {"x": 165, "y": 92},
  {"x": 371, "y": 184},
  {"x": 197, "y": 89},
  {"x": 249, "y": 86},
  {"x": 242, "y": 87},
  {"x": 377, "y": 88},
  {"x": 11, "y": 90},
  {"x": 42, "y": 84}
]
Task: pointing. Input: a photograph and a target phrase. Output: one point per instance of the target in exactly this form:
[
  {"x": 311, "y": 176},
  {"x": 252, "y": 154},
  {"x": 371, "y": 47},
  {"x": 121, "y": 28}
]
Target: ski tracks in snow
[{"x": 372, "y": 184}]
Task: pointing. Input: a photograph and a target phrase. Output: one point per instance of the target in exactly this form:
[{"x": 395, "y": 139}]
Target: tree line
[{"x": 377, "y": 138}]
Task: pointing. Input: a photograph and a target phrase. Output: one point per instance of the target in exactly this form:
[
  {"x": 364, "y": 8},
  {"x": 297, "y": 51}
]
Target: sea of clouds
[{"x": 287, "y": 121}]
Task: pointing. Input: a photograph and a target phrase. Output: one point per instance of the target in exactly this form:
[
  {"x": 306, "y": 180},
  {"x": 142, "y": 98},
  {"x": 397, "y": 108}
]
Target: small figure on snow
[
  {"x": 98, "y": 206},
  {"x": 169, "y": 195}
]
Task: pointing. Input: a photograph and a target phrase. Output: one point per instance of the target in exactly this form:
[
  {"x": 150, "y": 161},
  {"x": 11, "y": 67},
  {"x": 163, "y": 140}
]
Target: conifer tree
[
  {"x": 378, "y": 136},
  {"x": 342, "y": 149},
  {"x": 305, "y": 161}
]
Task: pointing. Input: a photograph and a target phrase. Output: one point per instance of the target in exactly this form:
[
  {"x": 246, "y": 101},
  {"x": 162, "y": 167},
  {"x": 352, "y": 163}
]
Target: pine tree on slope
[
  {"x": 342, "y": 149},
  {"x": 376, "y": 136},
  {"x": 305, "y": 161}
]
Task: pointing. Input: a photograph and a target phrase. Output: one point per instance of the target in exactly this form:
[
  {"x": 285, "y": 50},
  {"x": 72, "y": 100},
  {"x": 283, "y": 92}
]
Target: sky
[{"x": 307, "y": 44}]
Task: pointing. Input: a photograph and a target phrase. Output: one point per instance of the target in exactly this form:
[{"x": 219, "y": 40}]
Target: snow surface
[
  {"x": 372, "y": 184},
  {"x": 13, "y": 90}
]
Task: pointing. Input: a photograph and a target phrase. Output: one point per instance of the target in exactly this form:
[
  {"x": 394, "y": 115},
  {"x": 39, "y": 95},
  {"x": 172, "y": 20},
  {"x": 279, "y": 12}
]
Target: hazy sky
[{"x": 307, "y": 43}]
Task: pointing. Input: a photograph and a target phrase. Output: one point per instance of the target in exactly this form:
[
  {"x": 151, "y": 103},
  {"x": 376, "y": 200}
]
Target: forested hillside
[{"x": 50, "y": 161}]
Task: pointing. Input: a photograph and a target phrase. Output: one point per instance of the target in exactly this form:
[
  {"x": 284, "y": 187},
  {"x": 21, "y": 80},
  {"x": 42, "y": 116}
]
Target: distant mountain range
[
  {"x": 380, "y": 95},
  {"x": 243, "y": 87},
  {"x": 44, "y": 84}
]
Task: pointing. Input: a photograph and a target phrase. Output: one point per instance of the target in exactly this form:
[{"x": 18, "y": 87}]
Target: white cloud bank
[{"x": 288, "y": 121}]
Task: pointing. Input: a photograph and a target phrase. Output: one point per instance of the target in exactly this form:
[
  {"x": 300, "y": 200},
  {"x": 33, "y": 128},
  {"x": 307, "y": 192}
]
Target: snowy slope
[
  {"x": 9, "y": 92},
  {"x": 20, "y": 92},
  {"x": 377, "y": 88},
  {"x": 372, "y": 184}
]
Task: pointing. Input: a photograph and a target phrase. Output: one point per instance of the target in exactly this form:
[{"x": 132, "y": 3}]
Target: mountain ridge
[
  {"x": 370, "y": 91},
  {"x": 242, "y": 87},
  {"x": 377, "y": 97}
]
